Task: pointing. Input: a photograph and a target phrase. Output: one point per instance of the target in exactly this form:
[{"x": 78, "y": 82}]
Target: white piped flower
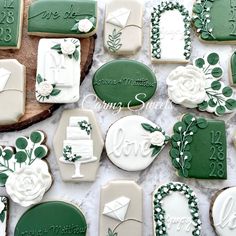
[
  {"x": 68, "y": 47},
  {"x": 44, "y": 89},
  {"x": 157, "y": 138},
  {"x": 85, "y": 25},
  {"x": 2, "y": 207}
]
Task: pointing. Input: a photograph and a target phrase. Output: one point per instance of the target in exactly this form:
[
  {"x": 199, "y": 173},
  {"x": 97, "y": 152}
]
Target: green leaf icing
[
  {"x": 28, "y": 149},
  {"x": 111, "y": 233},
  {"x": 159, "y": 212},
  {"x": 84, "y": 125},
  {"x": 198, "y": 148},
  {"x": 155, "y": 24},
  {"x": 69, "y": 156},
  {"x": 3, "y": 213},
  {"x": 114, "y": 42}
]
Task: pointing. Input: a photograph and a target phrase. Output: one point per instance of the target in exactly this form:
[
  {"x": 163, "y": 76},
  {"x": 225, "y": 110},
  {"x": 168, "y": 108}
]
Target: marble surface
[{"x": 86, "y": 195}]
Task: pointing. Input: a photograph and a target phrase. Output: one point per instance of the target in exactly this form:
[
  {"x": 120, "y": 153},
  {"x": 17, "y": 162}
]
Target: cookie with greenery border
[
  {"x": 155, "y": 28},
  {"x": 198, "y": 148},
  {"x": 159, "y": 213}
]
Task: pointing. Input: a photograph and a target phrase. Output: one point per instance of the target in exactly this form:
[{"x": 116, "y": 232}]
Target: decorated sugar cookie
[
  {"x": 70, "y": 18},
  {"x": 121, "y": 209},
  {"x": 199, "y": 86},
  {"x": 12, "y": 91},
  {"x": 170, "y": 33},
  {"x": 124, "y": 83},
  {"x": 198, "y": 148},
  {"x": 123, "y": 19},
  {"x": 78, "y": 145},
  {"x": 133, "y": 143},
  {"x": 52, "y": 218},
  {"x": 58, "y": 71},
  {"x": 175, "y": 211},
  {"x": 223, "y": 212},
  {"x": 11, "y": 23},
  {"x": 3, "y": 215},
  {"x": 23, "y": 172},
  {"x": 215, "y": 21}
]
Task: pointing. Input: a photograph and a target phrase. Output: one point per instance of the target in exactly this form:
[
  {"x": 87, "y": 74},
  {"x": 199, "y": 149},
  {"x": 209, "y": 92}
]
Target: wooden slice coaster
[{"x": 27, "y": 55}]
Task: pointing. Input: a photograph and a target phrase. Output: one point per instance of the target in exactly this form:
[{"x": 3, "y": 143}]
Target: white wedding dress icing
[{"x": 224, "y": 212}]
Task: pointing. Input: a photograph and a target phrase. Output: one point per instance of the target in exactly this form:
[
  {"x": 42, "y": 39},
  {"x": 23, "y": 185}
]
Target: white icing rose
[
  {"x": 85, "y": 25},
  {"x": 2, "y": 206},
  {"x": 28, "y": 185},
  {"x": 157, "y": 138},
  {"x": 186, "y": 86},
  {"x": 44, "y": 89},
  {"x": 68, "y": 47}
]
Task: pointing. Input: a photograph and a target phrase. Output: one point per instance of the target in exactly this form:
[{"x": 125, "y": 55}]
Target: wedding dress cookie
[
  {"x": 121, "y": 210},
  {"x": 23, "y": 172},
  {"x": 134, "y": 142},
  {"x": 123, "y": 21},
  {"x": 78, "y": 145}
]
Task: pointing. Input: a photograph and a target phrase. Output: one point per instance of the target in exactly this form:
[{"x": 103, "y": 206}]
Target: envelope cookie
[
  {"x": 58, "y": 71},
  {"x": 223, "y": 212},
  {"x": 24, "y": 174},
  {"x": 52, "y": 218},
  {"x": 3, "y": 215},
  {"x": 68, "y": 18},
  {"x": 121, "y": 211},
  {"x": 11, "y": 23},
  {"x": 134, "y": 142},
  {"x": 170, "y": 39},
  {"x": 78, "y": 144},
  {"x": 123, "y": 26},
  {"x": 215, "y": 21},
  {"x": 199, "y": 148},
  {"x": 175, "y": 211},
  {"x": 12, "y": 91}
]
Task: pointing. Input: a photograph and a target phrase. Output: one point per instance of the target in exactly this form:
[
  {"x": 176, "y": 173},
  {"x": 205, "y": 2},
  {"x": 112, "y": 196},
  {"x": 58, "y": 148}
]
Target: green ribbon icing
[
  {"x": 10, "y": 18},
  {"x": 52, "y": 218},
  {"x": 199, "y": 148},
  {"x": 119, "y": 81},
  {"x": 233, "y": 68},
  {"x": 215, "y": 20},
  {"x": 60, "y": 16}
]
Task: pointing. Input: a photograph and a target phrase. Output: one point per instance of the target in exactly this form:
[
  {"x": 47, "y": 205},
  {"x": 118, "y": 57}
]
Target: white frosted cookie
[
  {"x": 133, "y": 143},
  {"x": 78, "y": 145},
  {"x": 175, "y": 211},
  {"x": 223, "y": 212},
  {"x": 170, "y": 38},
  {"x": 12, "y": 91},
  {"x": 121, "y": 212},
  {"x": 58, "y": 71},
  {"x": 123, "y": 26}
]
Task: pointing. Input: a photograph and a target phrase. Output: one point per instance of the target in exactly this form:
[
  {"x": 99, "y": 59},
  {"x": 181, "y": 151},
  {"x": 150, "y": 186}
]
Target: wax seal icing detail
[
  {"x": 63, "y": 18},
  {"x": 78, "y": 145},
  {"x": 11, "y": 23},
  {"x": 133, "y": 143},
  {"x": 52, "y": 218},
  {"x": 172, "y": 222},
  {"x": 198, "y": 148},
  {"x": 58, "y": 71},
  {"x": 124, "y": 83},
  {"x": 170, "y": 33},
  {"x": 223, "y": 212},
  {"x": 122, "y": 19},
  {"x": 121, "y": 209},
  {"x": 3, "y": 215},
  {"x": 23, "y": 172}
]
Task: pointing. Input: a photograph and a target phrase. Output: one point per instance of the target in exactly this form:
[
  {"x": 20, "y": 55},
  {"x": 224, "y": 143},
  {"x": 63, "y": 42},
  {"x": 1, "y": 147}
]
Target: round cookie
[
  {"x": 124, "y": 83},
  {"x": 133, "y": 143},
  {"x": 223, "y": 212},
  {"x": 52, "y": 218}
]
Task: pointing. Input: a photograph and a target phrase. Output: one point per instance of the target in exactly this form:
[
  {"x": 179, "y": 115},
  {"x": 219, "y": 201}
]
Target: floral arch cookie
[
  {"x": 223, "y": 212},
  {"x": 175, "y": 211},
  {"x": 200, "y": 86},
  {"x": 133, "y": 142},
  {"x": 170, "y": 33},
  {"x": 23, "y": 172},
  {"x": 199, "y": 148},
  {"x": 215, "y": 21}
]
